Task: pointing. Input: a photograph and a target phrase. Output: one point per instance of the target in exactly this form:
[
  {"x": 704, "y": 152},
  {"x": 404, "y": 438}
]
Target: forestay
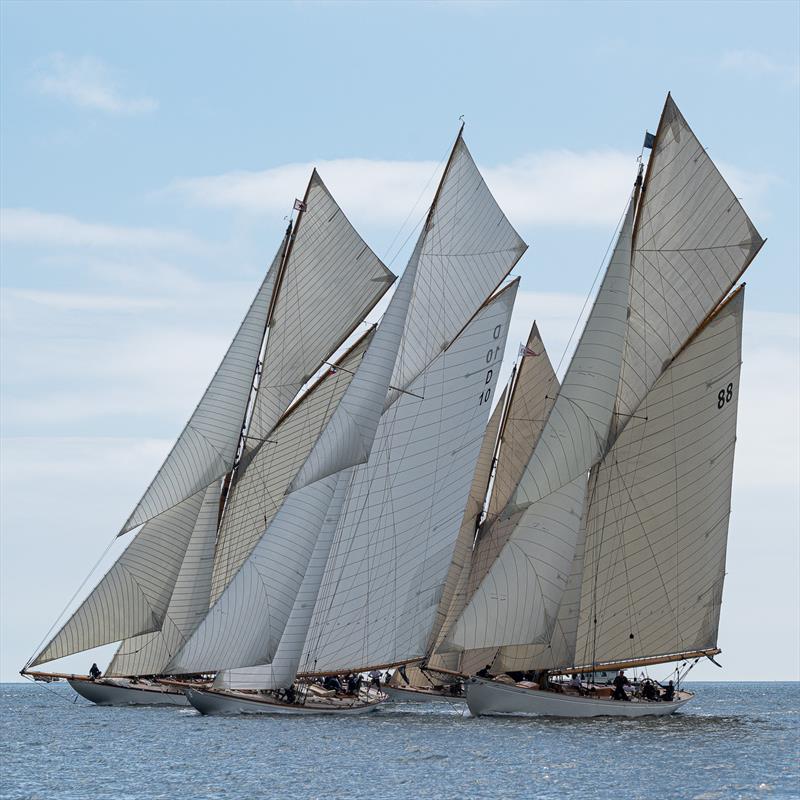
[
  {"x": 693, "y": 240},
  {"x": 149, "y": 653},
  {"x": 658, "y": 520},
  {"x": 394, "y": 545},
  {"x": 133, "y": 596}
]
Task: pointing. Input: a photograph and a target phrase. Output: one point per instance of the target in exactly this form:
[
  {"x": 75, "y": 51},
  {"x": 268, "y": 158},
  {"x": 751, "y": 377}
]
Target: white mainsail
[
  {"x": 517, "y": 600},
  {"x": 658, "y": 520},
  {"x": 394, "y": 545}
]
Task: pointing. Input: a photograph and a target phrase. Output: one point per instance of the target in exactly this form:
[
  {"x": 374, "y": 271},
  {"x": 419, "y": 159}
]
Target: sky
[{"x": 149, "y": 156}]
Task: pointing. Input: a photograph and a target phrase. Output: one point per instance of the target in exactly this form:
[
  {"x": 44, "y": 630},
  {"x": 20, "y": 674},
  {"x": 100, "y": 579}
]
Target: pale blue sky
[{"x": 150, "y": 151}]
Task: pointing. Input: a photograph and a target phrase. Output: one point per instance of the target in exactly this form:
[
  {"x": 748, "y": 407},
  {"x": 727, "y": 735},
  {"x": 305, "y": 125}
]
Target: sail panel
[
  {"x": 395, "y": 542},
  {"x": 243, "y": 628},
  {"x": 207, "y": 446},
  {"x": 149, "y": 653},
  {"x": 347, "y": 439},
  {"x": 518, "y": 599},
  {"x": 133, "y": 596},
  {"x": 534, "y": 393},
  {"x": 693, "y": 241},
  {"x": 269, "y": 467},
  {"x": 576, "y": 431},
  {"x": 465, "y": 250},
  {"x": 658, "y": 521},
  {"x": 331, "y": 281}
]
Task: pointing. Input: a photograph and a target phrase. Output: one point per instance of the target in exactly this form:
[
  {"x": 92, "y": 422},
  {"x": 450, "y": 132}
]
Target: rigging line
[
  {"x": 591, "y": 288},
  {"x": 394, "y": 388},
  {"x": 435, "y": 172},
  {"x": 47, "y": 636},
  {"x": 47, "y": 688}
]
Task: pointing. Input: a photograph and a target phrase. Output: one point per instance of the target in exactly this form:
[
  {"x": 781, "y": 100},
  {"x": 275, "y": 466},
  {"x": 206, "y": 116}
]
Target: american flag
[{"x": 526, "y": 351}]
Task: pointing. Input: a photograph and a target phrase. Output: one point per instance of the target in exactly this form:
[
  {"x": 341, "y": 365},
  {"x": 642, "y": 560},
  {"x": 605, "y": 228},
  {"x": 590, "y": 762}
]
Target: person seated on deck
[
  {"x": 353, "y": 683},
  {"x": 649, "y": 691},
  {"x": 94, "y": 672},
  {"x": 619, "y": 683},
  {"x": 575, "y": 683},
  {"x": 291, "y": 696},
  {"x": 375, "y": 679},
  {"x": 332, "y": 682},
  {"x": 668, "y": 695},
  {"x": 484, "y": 673}
]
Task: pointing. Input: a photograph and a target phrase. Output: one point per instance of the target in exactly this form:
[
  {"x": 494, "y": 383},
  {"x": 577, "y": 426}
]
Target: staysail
[{"x": 517, "y": 601}]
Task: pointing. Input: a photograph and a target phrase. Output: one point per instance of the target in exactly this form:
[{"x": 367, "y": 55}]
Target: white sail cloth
[
  {"x": 327, "y": 283},
  {"x": 267, "y": 469},
  {"x": 658, "y": 520},
  {"x": 331, "y": 281},
  {"x": 149, "y": 653},
  {"x": 517, "y": 600},
  {"x": 693, "y": 240},
  {"x": 466, "y": 249},
  {"x": 133, "y": 596},
  {"x": 394, "y": 545},
  {"x": 207, "y": 445}
]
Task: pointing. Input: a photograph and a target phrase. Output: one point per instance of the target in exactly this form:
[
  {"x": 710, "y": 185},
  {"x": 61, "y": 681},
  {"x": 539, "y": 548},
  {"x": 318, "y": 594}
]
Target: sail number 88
[
  {"x": 491, "y": 355},
  {"x": 725, "y": 395}
]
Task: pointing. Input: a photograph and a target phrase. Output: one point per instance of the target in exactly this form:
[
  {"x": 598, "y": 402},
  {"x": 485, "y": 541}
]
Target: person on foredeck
[
  {"x": 668, "y": 695},
  {"x": 620, "y": 682},
  {"x": 94, "y": 672},
  {"x": 375, "y": 679}
]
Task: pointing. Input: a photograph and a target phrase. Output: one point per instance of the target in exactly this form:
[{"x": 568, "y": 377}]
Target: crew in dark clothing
[
  {"x": 332, "y": 682},
  {"x": 94, "y": 672},
  {"x": 353, "y": 683},
  {"x": 484, "y": 673},
  {"x": 649, "y": 691},
  {"x": 619, "y": 686},
  {"x": 668, "y": 695},
  {"x": 291, "y": 696}
]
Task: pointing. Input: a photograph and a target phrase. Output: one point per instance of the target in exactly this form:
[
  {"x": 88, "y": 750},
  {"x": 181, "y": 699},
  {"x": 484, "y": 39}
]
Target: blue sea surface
[{"x": 735, "y": 740}]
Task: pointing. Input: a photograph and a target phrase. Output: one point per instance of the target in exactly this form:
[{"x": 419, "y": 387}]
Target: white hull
[
  {"x": 488, "y": 697},
  {"x": 409, "y": 695},
  {"x": 229, "y": 702},
  {"x": 108, "y": 692}
]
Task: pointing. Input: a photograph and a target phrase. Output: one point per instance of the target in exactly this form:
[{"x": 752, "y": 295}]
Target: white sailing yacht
[
  {"x": 347, "y": 576},
  {"x": 606, "y": 546},
  {"x": 241, "y": 446}
]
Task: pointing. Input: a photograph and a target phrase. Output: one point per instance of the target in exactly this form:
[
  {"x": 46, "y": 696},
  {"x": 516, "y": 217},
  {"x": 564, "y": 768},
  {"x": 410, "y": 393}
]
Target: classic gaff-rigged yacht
[
  {"x": 369, "y": 520},
  {"x": 321, "y": 284},
  {"x": 607, "y": 547}
]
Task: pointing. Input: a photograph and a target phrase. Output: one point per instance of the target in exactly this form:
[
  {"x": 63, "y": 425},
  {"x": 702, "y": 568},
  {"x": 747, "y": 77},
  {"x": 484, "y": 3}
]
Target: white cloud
[
  {"x": 30, "y": 227},
  {"x": 87, "y": 82},
  {"x": 559, "y": 187},
  {"x": 755, "y": 64}
]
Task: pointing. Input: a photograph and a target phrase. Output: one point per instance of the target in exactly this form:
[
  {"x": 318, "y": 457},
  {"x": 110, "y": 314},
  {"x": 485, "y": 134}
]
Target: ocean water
[{"x": 735, "y": 740}]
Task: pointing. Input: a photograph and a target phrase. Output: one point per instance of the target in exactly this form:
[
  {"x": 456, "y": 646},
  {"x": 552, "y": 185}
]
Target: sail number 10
[{"x": 491, "y": 357}]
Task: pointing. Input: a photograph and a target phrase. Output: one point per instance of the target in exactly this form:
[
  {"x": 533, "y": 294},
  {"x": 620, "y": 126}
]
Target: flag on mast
[{"x": 525, "y": 351}]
